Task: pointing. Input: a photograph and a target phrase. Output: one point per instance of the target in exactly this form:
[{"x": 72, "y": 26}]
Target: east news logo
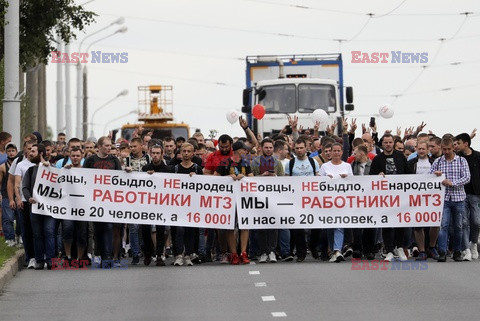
[
  {"x": 394, "y": 57},
  {"x": 96, "y": 57}
]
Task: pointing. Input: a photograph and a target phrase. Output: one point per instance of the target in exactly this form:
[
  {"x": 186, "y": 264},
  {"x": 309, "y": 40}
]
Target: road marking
[
  {"x": 260, "y": 284},
  {"x": 268, "y": 298},
  {"x": 278, "y": 314},
  {"x": 254, "y": 272}
]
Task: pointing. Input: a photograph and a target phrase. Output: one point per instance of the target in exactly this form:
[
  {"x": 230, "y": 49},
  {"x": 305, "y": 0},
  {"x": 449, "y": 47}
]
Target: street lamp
[
  {"x": 78, "y": 132},
  {"x": 122, "y": 93},
  {"x": 85, "y": 80}
]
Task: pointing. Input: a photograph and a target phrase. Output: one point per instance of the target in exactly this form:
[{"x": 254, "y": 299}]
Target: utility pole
[{"x": 11, "y": 101}]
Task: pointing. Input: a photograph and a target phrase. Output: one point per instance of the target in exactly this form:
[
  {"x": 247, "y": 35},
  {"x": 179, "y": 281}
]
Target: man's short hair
[
  {"x": 464, "y": 137},
  {"x": 447, "y": 142},
  {"x": 266, "y": 140},
  {"x": 185, "y": 145},
  {"x": 73, "y": 140},
  {"x": 300, "y": 140},
  {"x": 279, "y": 145},
  {"x": 47, "y": 143},
  {"x": 193, "y": 142},
  {"x": 437, "y": 140},
  {"x": 225, "y": 138},
  {"x": 29, "y": 142},
  {"x": 362, "y": 148},
  {"x": 136, "y": 140},
  {"x": 326, "y": 140},
  {"x": 4, "y": 136}
]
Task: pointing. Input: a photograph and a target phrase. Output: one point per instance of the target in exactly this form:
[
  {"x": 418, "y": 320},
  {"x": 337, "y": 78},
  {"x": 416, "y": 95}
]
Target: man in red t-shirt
[{"x": 223, "y": 153}]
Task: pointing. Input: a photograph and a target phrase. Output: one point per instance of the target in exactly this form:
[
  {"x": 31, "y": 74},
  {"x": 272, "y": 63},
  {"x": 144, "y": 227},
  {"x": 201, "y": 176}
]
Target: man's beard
[{"x": 36, "y": 159}]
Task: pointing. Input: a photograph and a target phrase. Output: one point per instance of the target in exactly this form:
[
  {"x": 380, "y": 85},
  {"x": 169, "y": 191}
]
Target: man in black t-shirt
[
  {"x": 106, "y": 234},
  {"x": 184, "y": 237},
  {"x": 157, "y": 165}
]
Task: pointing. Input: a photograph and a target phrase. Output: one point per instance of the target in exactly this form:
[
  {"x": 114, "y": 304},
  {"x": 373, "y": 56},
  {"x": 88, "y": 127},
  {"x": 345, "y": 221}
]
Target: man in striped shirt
[{"x": 457, "y": 174}]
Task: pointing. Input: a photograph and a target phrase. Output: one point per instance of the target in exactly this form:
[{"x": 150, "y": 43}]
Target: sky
[{"x": 199, "y": 47}]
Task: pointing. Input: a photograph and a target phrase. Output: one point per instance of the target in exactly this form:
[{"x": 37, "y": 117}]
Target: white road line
[
  {"x": 268, "y": 298},
  {"x": 260, "y": 284},
  {"x": 254, "y": 272},
  {"x": 278, "y": 314}
]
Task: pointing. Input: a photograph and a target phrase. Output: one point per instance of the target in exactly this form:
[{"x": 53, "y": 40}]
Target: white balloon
[
  {"x": 321, "y": 116},
  {"x": 232, "y": 116},
  {"x": 386, "y": 111}
]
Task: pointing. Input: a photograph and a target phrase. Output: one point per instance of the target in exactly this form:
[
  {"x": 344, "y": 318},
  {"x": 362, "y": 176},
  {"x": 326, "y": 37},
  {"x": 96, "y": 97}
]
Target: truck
[
  {"x": 155, "y": 113},
  {"x": 295, "y": 85}
]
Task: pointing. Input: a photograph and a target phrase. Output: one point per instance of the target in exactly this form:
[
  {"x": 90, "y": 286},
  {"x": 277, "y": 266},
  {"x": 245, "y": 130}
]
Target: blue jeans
[
  {"x": 453, "y": 213},
  {"x": 284, "y": 241},
  {"x": 335, "y": 238},
  {"x": 205, "y": 244},
  {"x": 43, "y": 227},
  {"x": 471, "y": 220},
  {"x": 134, "y": 239},
  {"x": 104, "y": 239},
  {"x": 8, "y": 216}
]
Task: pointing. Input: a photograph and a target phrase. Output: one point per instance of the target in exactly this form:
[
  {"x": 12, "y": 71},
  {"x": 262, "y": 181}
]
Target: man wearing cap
[{"x": 237, "y": 168}]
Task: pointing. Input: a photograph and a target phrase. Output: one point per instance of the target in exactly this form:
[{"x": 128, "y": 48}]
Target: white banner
[
  {"x": 262, "y": 202},
  {"x": 351, "y": 202},
  {"x": 139, "y": 198}
]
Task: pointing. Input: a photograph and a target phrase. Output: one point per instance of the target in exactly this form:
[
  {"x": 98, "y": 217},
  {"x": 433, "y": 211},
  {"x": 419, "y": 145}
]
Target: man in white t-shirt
[
  {"x": 421, "y": 164},
  {"x": 21, "y": 203}
]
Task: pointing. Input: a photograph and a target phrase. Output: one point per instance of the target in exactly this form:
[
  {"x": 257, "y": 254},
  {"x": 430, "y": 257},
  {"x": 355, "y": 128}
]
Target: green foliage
[{"x": 40, "y": 21}]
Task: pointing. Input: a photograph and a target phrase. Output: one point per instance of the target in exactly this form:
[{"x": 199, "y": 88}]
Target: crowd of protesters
[{"x": 294, "y": 151}]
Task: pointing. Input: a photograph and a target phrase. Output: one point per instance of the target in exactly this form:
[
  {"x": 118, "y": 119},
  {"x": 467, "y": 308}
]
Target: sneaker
[
  {"x": 347, "y": 251},
  {"x": 11, "y": 243},
  {"x": 235, "y": 259},
  {"x": 97, "y": 260},
  {"x": 207, "y": 257},
  {"x": 117, "y": 264},
  {"x": 178, "y": 260},
  {"x": 422, "y": 256},
  {"x": 225, "y": 258},
  {"x": 136, "y": 260},
  {"x": 39, "y": 265},
  {"x": 32, "y": 264},
  {"x": 415, "y": 252},
  {"x": 336, "y": 257},
  {"x": 160, "y": 261},
  {"x": 401, "y": 255},
  {"x": 314, "y": 252},
  {"x": 356, "y": 255},
  {"x": 300, "y": 258},
  {"x": 442, "y": 257},
  {"x": 49, "y": 265},
  {"x": 432, "y": 253},
  {"x": 457, "y": 256},
  {"x": 244, "y": 258},
  {"x": 370, "y": 256},
  {"x": 474, "y": 250},
  {"x": 195, "y": 259},
  {"x": 468, "y": 255},
  {"x": 263, "y": 258},
  {"x": 147, "y": 260},
  {"x": 168, "y": 252},
  {"x": 188, "y": 261},
  {"x": 272, "y": 257},
  {"x": 287, "y": 258},
  {"x": 389, "y": 257}
]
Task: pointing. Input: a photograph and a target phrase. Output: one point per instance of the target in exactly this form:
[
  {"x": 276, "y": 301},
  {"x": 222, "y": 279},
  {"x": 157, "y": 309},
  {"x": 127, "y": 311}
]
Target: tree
[{"x": 40, "y": 21}]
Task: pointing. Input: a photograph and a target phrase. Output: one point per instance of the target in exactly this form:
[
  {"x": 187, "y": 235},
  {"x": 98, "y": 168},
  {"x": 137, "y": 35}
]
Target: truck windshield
[
  {"x": 315, "y": 96},
  {"x": 279, "y": 99}
]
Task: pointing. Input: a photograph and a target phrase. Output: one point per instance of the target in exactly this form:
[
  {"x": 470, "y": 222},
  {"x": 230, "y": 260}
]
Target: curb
[{"x": 12, "y": 266}]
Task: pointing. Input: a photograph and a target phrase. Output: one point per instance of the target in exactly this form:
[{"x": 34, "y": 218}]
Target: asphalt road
[{"x": 311, "y": 290}]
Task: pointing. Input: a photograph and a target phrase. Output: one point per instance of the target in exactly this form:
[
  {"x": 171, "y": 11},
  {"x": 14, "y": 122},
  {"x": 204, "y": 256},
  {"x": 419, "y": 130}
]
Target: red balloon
[{"x": 258, "y": 111}]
